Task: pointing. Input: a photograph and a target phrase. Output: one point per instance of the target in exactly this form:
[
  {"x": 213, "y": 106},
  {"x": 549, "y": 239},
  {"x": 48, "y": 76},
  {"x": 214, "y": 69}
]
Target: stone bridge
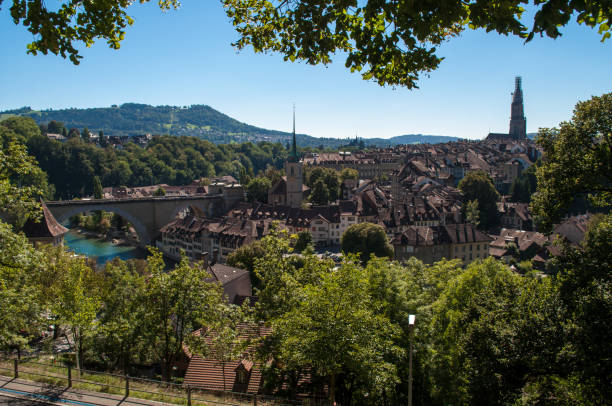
[{"x": 147, "y": 215}]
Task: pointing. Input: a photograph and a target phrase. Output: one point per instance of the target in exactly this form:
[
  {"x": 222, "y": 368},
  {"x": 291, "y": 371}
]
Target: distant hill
[
  {"x": 411, "y": 139},
  {"x": 197, "y": 120}
]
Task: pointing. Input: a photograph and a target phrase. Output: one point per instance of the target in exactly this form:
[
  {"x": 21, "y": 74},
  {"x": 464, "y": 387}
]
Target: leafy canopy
[
  {"x": 366, "y": 239},
  {"x": 478, "y": 186},
  {"x": 577, "y": 161},
  {"x": 75, "y": 21},
  {"x": 393, "y": 42}
]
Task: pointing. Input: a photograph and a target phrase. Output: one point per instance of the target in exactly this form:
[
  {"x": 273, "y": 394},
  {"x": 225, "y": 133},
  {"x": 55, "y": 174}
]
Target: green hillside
[{"x": 197, "y": 120}]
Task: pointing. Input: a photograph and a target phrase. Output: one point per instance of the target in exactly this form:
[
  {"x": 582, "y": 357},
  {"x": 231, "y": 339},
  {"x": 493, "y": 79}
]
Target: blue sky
[{"x": 185, "y": 57}]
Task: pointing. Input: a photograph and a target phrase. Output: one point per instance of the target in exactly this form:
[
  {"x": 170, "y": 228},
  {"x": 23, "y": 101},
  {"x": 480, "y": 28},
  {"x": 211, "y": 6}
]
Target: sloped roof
[
  {"x": 225, "y": 273},
  {"x": 280, "y": 187},
  {"x": 465, "y": 233},
  {"x": 213, "y": 374},
  {"x": 46, "y": 227},
  {"x": 440, "y": 235}
]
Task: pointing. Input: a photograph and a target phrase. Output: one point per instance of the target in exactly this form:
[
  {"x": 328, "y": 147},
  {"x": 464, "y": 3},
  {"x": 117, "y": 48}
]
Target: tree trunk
[
  {"x": 80, "y": 352},
  {"x": 332, "y": 389},
  {"x": 75, "y": 338},
  {"x": 166, "y": 370}
]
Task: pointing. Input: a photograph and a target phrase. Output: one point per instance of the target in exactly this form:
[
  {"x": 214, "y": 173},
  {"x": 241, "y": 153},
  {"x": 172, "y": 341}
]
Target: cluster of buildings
[
  {"x": 410, "y": 190},
  {"x": 115, "y": 141},
  {"x": 197, "y": 187}
]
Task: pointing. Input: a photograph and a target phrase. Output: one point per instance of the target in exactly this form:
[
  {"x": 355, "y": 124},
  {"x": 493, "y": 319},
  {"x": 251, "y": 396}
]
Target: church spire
[
  {"x": 293, "y": 154},
  {"x": 518, "y": 122}
]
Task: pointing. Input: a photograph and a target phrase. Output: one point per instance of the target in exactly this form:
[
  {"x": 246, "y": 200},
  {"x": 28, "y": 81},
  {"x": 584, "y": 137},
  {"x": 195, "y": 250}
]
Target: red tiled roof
[
  {"x": 218, "y": 375},
  {"x": 213, "y": 374}
]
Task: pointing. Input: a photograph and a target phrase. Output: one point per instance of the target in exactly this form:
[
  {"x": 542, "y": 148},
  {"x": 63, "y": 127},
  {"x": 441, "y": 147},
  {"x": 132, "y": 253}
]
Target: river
[{"x": 102, "y": 250}]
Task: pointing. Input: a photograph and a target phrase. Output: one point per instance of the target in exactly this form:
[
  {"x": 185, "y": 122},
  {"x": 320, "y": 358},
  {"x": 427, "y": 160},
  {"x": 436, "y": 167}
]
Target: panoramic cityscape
[{"x": 424, "y": 221}]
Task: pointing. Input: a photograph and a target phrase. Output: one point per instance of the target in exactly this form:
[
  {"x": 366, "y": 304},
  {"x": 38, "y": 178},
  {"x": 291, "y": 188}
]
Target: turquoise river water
[{"x": 103, "y": 251}]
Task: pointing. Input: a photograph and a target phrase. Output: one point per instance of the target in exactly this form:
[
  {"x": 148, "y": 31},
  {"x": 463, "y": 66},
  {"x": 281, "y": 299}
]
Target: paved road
[{"x": 19, "y": 392}]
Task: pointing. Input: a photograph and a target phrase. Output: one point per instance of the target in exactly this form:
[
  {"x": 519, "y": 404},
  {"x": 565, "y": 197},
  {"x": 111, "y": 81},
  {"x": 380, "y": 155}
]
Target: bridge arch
[
  {"x": 206, "y": 208},
  {"x": 144, "y": 235}
]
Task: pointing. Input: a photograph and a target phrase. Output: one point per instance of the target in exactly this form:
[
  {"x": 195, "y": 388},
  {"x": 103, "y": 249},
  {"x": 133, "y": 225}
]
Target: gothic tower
[
  {"x": 293, "y": 171},
  {"x": 518, "y": 122}
]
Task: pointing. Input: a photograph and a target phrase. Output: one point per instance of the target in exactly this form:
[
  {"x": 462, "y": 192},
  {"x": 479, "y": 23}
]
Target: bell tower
[
  {"x": 293, "y": 172},
  {"x": 518, "y": 122}
]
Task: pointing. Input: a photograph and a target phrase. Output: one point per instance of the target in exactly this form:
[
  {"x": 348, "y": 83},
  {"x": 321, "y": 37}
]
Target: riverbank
[{"x": 105, "y": 237}]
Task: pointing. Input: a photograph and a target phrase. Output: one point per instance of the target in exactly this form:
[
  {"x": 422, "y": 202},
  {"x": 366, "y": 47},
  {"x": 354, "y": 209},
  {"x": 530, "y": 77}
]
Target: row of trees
[
  {"x": 484, "y": 335},
  {"x": 128, "y": 313},
  {"x": 72, "y": 165}
]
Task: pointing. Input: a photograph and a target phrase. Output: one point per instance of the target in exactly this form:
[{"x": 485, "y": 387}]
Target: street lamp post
[{"x": 411, "y": 318}]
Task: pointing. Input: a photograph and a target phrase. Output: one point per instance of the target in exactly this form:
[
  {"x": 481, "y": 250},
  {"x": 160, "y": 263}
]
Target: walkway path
[{"x": 22, "y": 392}]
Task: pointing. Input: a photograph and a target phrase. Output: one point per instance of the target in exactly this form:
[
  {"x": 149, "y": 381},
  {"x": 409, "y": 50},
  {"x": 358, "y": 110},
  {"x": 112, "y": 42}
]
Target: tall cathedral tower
[
  {"x": 293, "y": 171},
  {"x": 518, "y": 122}
]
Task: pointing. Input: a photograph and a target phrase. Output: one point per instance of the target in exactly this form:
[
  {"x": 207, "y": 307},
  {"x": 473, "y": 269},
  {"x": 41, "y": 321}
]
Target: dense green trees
[
  {"x": 585, "y": 285},
  {"x": 492, "y": 331},
  {"x": 366, "y": 239},
  {"x": 325, "y": 185},
  {"x": 175, "y": 304},
  {"x": 257, "y": 189},
  {"x": 22, "y": 182},
  {"x": 20, "y": 295},
  {"x": 98, "y": 192},
  {"x": 137, "y": 119},
  {"x": 349, "y": 173},
  {"x": 171, "y": 160},
  {"x": 577, "y": 161},
  {"x": 335, "y": 331},
  {"x": 319, "y": 195},
  {"x": 484, "y": 335},
  {"x": 76, "y": 300},
  {"x": 524, "y": 186},
  {"x": 478, "y": 186},
  {"x": 303, "y": 241}
]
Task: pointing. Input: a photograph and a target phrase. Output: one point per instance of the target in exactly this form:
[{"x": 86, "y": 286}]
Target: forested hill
[
  {"x": 136, "y": 119},
  {"x": 197, "y": 120}
]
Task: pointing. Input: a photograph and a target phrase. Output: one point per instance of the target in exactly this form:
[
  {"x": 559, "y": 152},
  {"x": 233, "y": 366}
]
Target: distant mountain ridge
[{"x": 200, "y": 121}]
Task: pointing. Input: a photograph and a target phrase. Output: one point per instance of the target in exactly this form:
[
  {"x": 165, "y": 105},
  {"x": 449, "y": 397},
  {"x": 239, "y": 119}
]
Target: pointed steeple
[
  {"x": 518, "y": 122},
  {"x": 293, "y": 154}
]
